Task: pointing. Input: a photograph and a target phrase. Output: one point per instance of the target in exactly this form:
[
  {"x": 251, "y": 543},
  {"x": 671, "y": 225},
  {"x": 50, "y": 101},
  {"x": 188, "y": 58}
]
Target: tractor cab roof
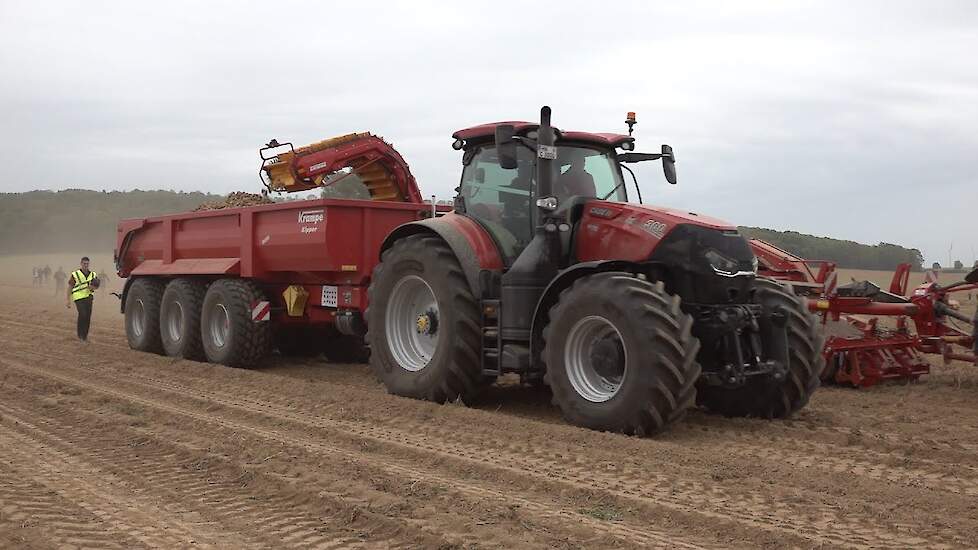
[{"x": 487, "y": 131}]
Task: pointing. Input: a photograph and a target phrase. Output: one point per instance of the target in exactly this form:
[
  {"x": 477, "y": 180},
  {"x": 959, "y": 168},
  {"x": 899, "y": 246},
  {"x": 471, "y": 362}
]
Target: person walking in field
[
  {"x": 81, "y": 291},
  {"x": 59, "y": 280}
]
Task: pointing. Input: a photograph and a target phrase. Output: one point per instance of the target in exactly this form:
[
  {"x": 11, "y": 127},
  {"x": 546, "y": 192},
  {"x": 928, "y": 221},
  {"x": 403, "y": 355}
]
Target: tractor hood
[
  {"x": 677, "y": 216},
  {"x": 613, "y": 230}
]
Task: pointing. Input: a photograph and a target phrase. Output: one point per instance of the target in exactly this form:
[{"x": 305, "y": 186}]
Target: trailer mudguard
[{"x": 472, "y": 245}]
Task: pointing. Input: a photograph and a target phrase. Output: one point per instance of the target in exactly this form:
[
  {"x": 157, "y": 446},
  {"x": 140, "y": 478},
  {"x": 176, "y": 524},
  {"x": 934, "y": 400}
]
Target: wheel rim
[
  {"x": 595, "y": 358},
  {"x": 174, "y": 321},
  {"x": 411, "y": 323},
  {"x": 220, "y": 325},
  {"x": 137, "y": 321}
]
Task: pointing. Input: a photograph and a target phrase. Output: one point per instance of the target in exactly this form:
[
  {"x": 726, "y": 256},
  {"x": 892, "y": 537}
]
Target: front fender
[{"x": 473, "y": 247}]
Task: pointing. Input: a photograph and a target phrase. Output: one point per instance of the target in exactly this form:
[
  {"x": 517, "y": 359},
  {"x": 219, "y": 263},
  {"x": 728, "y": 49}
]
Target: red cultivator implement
[{"x": 859, "y": 350}]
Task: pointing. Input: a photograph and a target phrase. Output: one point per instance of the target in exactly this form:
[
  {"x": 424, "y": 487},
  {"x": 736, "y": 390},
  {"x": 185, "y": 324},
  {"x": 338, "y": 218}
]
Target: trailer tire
[
  {"x": 636, "y": 333},
  {"x": 180, "y": 311},
  {"x": 229, "y": 335},
  {"x": 766, "y": 397},
  {"x": 443, "y": 362},
  {"x": 142, "y": 315}
]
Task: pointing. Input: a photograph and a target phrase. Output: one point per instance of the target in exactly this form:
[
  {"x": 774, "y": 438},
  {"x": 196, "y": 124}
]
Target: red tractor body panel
[
  {"x": 485, "y": 249},
  {"x": 486, "y": 131},
  {"x": 621, "y": 231}
]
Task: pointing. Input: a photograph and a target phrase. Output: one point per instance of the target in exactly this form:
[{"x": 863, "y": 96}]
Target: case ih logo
[
  {"x": 312, "y": 216},
  {"x": 656, "y": 228}
]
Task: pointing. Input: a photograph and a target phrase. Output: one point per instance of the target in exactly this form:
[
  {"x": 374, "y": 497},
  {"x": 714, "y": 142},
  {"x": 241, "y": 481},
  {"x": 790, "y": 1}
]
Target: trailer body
[{"x": 329, "y": 247}]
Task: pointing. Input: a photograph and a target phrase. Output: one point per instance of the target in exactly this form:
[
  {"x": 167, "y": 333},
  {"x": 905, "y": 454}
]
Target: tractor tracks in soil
[{"x": 656, "y": 493}]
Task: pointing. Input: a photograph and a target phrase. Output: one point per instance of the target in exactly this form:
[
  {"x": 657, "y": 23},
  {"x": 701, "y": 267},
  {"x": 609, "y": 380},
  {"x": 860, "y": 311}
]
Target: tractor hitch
[{"x": 732, "y": 339}]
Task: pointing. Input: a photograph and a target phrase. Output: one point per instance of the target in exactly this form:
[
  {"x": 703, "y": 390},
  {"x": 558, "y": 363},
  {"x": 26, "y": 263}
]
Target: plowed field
[{"x": 104, "y": 447}]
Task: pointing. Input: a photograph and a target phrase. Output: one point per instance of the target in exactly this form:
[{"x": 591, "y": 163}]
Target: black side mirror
[
  {"x": 669, "y": 164},
  {"x": 972, "y": 277},
  {"x": 505, "y": 146}
]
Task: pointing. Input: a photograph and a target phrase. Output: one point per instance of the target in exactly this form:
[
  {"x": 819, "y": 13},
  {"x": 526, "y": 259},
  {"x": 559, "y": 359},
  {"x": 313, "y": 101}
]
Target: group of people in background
[{"x": 41, "y": 276}]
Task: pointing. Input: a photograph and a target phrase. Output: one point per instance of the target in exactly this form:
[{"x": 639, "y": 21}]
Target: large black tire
[
  {"x": 453, "y": 370},
  {"x": 242, "y": 342},
  {"x": 298, "y": 340},
  {"x": 142, "y": 315},
  {"x": 180, "y": 319},
  {"x": 654, "y": 351},
  {"x": 766, "y": 397}
]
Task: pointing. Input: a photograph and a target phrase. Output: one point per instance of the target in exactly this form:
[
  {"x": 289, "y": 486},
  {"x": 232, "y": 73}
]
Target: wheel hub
[
  {"x": 595, "y": 358},
  {"x": 608, "y": 358},
  {"x": 427, "y": 323},
  {"x": 411, "y": 323}
]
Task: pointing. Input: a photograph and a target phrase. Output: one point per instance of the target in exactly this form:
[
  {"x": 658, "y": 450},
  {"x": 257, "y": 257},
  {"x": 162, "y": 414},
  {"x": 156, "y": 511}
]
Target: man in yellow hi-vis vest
[{"x": 81, "y": 291}]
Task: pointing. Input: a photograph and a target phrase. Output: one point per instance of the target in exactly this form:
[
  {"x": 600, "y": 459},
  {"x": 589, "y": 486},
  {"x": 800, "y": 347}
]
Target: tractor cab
[{"x": 501, "y": 198}]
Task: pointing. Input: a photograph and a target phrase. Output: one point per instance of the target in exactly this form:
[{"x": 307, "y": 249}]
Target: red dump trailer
[
  {"x": 301, "y": 264},
  {"x": 229, "y": 284}
]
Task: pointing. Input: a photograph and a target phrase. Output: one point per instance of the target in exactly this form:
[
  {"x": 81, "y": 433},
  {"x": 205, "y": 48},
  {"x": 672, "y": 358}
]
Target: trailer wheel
[
  {"x": 229, "y": 335},
  {"x": 180, "y": 312},
  {"x": 766, "y": 397},
  {"x": 142, "y": 315},
  {"x": 620, "y": 355},
  {"x": 423, "y": 323}
]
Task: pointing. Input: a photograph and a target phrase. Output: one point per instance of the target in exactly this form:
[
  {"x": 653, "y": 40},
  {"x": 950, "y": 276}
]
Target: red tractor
[{"x": 630, "y": 313}]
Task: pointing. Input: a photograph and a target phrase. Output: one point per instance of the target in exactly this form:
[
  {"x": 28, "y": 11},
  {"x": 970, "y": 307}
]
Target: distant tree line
[
  {"x": 76, "y": 220},
  {"x": 848, "y": 254}
]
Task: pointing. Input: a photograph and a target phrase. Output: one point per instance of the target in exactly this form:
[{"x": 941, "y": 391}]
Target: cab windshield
[{"x": 500, "y": 198}]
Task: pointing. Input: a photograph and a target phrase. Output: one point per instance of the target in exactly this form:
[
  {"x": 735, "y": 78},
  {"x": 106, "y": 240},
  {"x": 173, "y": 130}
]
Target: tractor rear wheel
[
  {"x": 180, "y": 319},
  {"x": 423, "y": 323},
  {"x": 143, "y": 314},
  {"x": 766, "y": 397},
  {"x": 620, "y": 355},
  {"x": 229, "y": 334}
]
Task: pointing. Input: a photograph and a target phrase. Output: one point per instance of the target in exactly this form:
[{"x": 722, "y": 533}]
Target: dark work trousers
[{"x": 84, "y": 316}]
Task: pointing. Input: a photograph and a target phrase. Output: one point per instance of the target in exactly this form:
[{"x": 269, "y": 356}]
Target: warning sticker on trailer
[
  {"x": 261, "y": 311},
  {"x": 329, "y": 298}
]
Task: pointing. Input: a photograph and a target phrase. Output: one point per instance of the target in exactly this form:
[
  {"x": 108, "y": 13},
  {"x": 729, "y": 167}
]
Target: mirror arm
[{"x": 639, "y": 157}]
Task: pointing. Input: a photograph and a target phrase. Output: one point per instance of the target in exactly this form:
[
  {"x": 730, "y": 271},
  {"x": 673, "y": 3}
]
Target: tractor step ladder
[{"x": 490, "y": 338}]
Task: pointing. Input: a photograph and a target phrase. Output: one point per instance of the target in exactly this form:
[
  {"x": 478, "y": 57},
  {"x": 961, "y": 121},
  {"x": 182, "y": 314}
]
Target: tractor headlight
[{"x": 721, "y": 264}]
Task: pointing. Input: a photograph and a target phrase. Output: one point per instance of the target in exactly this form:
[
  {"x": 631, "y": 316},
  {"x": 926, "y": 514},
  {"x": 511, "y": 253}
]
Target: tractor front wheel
[
  {"x": 620, "y": 355},
  {"x": 423, "y": 323}
]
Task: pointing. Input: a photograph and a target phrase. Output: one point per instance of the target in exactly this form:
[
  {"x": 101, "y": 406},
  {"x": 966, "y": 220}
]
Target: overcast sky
[{"x": 855, "y": 120}]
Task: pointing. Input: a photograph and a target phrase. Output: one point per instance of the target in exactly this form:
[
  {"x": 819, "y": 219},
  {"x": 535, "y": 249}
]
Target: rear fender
[
  {"x": 473, "y": 247},
  {"x": 564, "y": 280}
]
